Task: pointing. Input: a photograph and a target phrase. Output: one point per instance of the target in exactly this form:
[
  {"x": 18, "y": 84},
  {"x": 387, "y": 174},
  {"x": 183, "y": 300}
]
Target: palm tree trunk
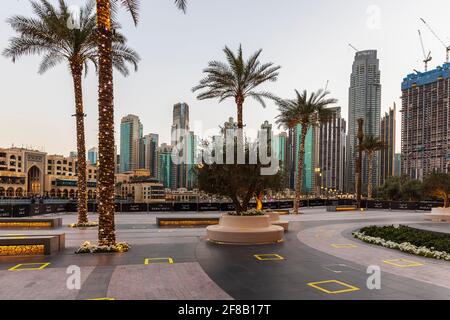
[
  {"x": 106, "y": 172},
  {"x": 369, "y": 178},
  {"x": 240, "y": 122},
  {"x": 300, "y": 161},
  {"x": 77, "y": 72}
]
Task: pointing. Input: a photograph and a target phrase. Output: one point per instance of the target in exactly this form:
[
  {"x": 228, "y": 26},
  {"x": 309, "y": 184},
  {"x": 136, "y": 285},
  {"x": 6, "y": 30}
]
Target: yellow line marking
[
  {"x": 268, "y": 257},
  {"x": 350, "y": 288},
  {"x": 344, "y": 246},
  {"x": 19, "y": 267},
  {"x": 403, "y": 263},
  {"x": 158, "y": 260},
  {"x": 98, "y": 299}
]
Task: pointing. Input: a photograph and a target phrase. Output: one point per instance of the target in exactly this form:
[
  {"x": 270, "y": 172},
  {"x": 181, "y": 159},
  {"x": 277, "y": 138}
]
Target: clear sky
[{"x": 308, "y": 38}]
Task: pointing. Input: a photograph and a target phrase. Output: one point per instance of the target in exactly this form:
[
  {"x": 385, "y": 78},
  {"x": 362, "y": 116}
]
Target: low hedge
[{"x": 418, "y": 238}]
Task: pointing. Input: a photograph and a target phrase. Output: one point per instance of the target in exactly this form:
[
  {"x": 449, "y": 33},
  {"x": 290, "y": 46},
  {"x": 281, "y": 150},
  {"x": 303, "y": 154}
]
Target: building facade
[
  {"x": 30, "y": 173},
  {"x": 364, "y": 103},
  {"x": 165, "y": 166},
  {"x": 93, "y": 155},
  {"x": 332, "y": 135},
  {"x": 131, "y": 132},
  {"x": 387, "y": 136},
  {"x": 426, "y": 122},
  {"x": 149, "y": 152},
  {"x": 180, "y": 143}
]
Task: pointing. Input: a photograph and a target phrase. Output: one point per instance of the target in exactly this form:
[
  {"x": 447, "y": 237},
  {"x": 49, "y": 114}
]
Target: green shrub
[{"x": 402, "y": 234}]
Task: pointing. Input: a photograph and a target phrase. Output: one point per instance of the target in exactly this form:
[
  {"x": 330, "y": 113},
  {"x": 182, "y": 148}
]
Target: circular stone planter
[
  {"x": 245, "y": 230},
  {"x": 438, "y": 215}
]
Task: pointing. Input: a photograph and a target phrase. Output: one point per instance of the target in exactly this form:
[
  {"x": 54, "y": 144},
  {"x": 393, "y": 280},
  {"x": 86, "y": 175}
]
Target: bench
[
  {"x": 342, "y": 208},
  {"x": 186, "y": 221},
  {"x": 25, "y": 245},
  {"x": 30, "y": 223}
]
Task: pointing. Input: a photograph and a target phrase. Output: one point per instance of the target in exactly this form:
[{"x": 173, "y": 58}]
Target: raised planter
[
  {"x": 245, "y": 230},
  {"x": 438, "y": 215},
  {"x": 32, "y": 245},
  {"x": 30, "y": 223}
]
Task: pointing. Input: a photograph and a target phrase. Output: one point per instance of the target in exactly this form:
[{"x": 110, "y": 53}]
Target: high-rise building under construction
[{"x": 426, "y": 122}]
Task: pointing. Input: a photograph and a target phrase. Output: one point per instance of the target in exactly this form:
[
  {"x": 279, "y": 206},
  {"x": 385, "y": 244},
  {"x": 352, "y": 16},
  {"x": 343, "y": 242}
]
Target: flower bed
[
  {"x": 87, "y": 247},
  {"x": 418, "y": 242},
  {"x": 250, "y": 213}
]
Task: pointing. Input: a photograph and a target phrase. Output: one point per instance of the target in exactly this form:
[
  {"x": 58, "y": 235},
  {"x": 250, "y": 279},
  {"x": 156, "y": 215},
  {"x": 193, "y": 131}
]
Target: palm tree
[
  {"x": 106, "y": 181},
  {"x": 237, "y": 79},
  {"x": 50, "y": 35},
  {"x": 305, "y": 111},
  {"x": 370, "y": 145}
]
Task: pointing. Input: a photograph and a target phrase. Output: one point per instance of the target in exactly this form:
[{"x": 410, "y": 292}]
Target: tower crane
[
  {"x": 427, "y": 58},
  {"x": 351, "y": 46},
  {"x": 447, "y": 47}
]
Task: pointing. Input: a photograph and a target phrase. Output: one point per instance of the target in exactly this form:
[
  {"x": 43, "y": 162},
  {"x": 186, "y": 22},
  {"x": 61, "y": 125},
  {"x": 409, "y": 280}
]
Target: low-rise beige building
[
  {"x": 140, "y": 186},
  {"x": 26, "y": 173}
]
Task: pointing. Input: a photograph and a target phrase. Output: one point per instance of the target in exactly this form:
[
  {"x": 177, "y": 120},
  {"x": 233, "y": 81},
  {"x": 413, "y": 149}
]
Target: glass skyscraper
[
  {"x": 131, "y": 131},
  {"x": 364, "y": 103}
]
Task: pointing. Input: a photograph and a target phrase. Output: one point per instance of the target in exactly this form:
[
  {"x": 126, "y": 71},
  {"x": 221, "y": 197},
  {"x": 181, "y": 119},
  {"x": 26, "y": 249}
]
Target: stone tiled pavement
[{"x": 204, "y": 271}]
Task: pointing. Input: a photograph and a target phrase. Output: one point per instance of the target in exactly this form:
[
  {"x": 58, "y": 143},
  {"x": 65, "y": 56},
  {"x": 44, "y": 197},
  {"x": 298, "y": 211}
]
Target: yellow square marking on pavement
[
  {"x": 98, "y": 299},
  {"x": 158, "y": 260},
  {"x": 268, "y": 257},
  {"x": 344, "y": 246},
  {"x": 29, "y": 266},
  {"x": 348, "y": 288},
  {"x": 403, "y": 263}
]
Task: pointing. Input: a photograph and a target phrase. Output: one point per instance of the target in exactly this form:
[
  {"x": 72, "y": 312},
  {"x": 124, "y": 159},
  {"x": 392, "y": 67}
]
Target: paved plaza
[{"x": 319, "y": 260}]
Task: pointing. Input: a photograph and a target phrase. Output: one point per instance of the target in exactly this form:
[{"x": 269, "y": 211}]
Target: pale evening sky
[{"x": 307, "y": 38}]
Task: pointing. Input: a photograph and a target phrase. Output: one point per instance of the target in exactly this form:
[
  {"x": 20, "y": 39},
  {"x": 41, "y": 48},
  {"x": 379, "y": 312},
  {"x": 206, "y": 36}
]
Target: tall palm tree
[
  {"x": 106, "y": 181},
  {"x": 305, "y": 111},
  {"x": 237, "y": 79},
  {"x": 49, "y": 34},
  {"x": 370, "y": 145}
]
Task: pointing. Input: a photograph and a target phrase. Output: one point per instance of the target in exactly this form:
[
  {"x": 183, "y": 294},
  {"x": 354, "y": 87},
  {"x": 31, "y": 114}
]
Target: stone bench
[
  {"x": 186, "y": 221},
  {"x": 275, "y": 220},
  {"x": 342, "y": 208},
  {"x": 245, "y": 230},
  {"x": 30, "y": 223},
  {"x": 438, "y": 215},
  {"x": 24, "y": 245}
]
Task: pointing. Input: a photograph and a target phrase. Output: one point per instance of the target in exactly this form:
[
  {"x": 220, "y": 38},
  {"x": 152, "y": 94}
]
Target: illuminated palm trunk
[
  {"x": 300, "y": 161},
  {"x": 77, "y": 72},
  {"x": 106, "y": 170},
  {"x": 369, "y": 178}
]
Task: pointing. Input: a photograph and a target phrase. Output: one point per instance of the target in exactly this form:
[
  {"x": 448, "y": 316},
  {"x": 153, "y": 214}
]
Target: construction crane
[
  {"x": 447, "y": 47},
  {"x": 427, "y": 58},
  {"x": 326, "y": 85},
  {"x": 351, "y": 46}
]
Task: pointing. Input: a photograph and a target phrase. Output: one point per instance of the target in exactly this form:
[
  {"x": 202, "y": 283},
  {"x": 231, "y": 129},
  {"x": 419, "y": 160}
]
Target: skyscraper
[
  {"x": 165, "y": 165},
  {"x": 426, "y": 122},
  {"x": 180, "y": 141},
  {"x": 282, "y": 155},
  {"x": 332, "y": 135},
  {"x": 93, "y": 155},
  {"x": 387, "y": 155},
  {"x": 149, "y": 150},
  {"x": 131, "y": 131},
  {"x": 364, "y": 103},
  {"x": 311, "y": 160}
]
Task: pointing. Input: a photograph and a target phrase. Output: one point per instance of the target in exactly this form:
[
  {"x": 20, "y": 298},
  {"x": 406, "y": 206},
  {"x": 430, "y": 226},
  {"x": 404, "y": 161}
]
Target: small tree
[
  {"x": 412, "y": 190},
  {"x": 239, "y": 182},
  {"x": 438, "y": 185}
]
